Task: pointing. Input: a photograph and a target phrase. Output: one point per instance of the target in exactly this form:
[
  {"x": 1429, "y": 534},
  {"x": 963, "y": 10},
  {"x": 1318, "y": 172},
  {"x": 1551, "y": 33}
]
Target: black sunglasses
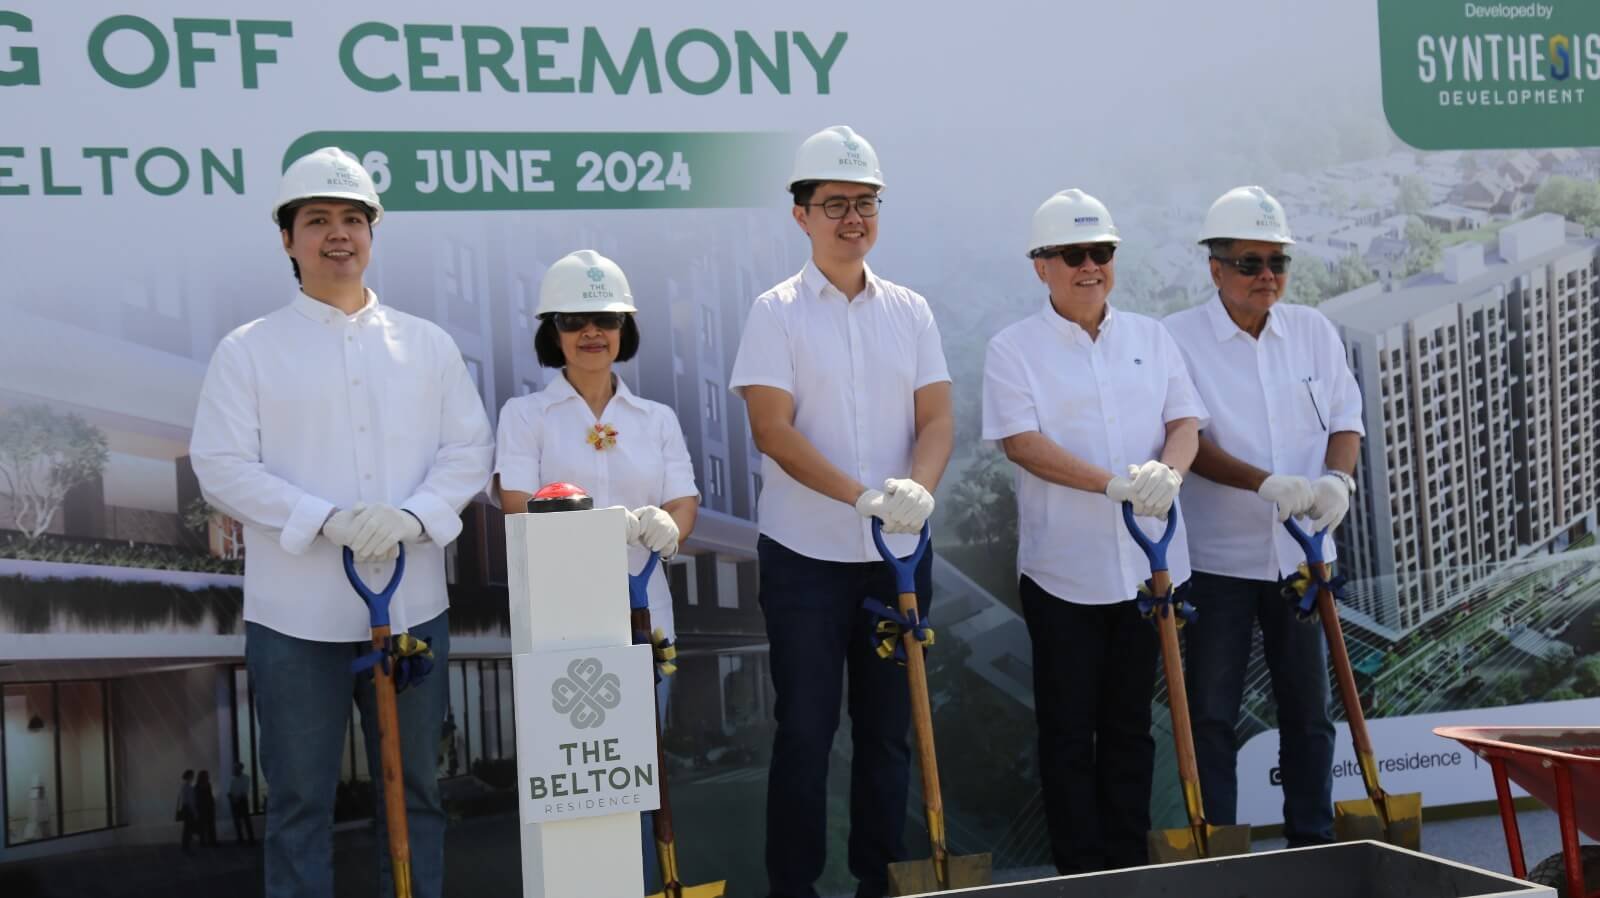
[
  {"x": 839, "y": 206},
  {"x": 572, "y": 322},
  {"x": 1073, "y": 256},
  {"x": 1250, "y": 266}
]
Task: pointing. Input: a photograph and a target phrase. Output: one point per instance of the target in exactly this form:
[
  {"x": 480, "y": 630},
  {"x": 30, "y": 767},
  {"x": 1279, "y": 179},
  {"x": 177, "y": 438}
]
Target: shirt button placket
[{"x": 859, "y": 381}]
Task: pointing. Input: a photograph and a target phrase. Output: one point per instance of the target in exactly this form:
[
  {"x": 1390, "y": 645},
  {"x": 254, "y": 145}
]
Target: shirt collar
[
  {"x": 322, "y": 313},
  {"x": 1223, "y": 326},
  {"x": 818, "y": 283},
  {"x": 561, "y": 390},
  {"x": 1071, "y": 329}
]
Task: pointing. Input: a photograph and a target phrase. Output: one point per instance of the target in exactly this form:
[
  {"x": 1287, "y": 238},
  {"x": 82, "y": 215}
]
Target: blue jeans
[
  {"x": 819, "y": 633},
  {"x": 302, "y": 693},
  {"x": 1218, "y": 652}
]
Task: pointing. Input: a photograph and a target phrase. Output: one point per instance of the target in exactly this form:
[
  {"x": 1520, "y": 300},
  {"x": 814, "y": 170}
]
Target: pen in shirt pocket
[{"x": 1317, "y": 408}]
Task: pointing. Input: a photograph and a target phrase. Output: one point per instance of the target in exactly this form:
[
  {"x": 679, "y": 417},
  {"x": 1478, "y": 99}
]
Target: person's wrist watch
[{"x": 1348, "y": 481}]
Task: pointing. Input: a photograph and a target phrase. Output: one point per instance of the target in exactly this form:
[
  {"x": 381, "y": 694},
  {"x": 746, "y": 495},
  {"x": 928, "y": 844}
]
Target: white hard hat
[
  {"x": 1246, "y": 213},
  {"x": 836, "y": 153},
  {"x": 584, "y": 281},
  {"x": 329, "y": 173},
  {"x": 1071, "y": 216}
]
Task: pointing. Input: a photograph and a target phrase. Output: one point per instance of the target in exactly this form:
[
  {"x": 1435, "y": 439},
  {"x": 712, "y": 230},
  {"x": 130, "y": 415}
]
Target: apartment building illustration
[{"x": 1478, "y": 381}]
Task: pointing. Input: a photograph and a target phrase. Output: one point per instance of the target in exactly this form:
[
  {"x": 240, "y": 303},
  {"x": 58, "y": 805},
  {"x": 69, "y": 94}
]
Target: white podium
[{"x": 585, "y": 706}]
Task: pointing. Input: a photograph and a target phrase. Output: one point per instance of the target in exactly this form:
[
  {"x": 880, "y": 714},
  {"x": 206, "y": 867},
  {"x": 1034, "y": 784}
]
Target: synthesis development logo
[
  {"x": 1479, "y": 75},
  {"x": 586, "y": 693}
]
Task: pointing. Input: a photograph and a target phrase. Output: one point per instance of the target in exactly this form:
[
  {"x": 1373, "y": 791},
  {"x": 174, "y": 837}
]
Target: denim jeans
[
  {"x": 1217, "y": 648},
  {"x": 819, "y": 634},
  {"x": 302, "y": 692},
  {"x": 1094, "y": 675}
]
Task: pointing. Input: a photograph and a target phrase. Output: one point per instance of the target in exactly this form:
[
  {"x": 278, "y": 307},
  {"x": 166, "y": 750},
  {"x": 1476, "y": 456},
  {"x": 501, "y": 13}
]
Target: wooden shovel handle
[
  {"x": 640, "y": 620},
  {"x": 922, "y": 726},
  {"x": 1328, "y": 610},
  {"x": 1178, "y": 700},
  {"x": 394, "y": 787}
]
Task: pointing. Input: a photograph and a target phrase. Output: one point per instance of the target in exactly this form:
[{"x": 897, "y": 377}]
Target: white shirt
[
  {"x": 309, "y": 409},
  {"x": 1107, "y": 401},
  {"x": 1278, "y": 398},
  {"x": 544, "y": 439},
  {"x": 853, "y": 367}
]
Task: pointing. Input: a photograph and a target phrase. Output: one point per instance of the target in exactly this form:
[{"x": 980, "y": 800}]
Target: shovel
[
  {"x": 1199, "y": 839},
  {"x": 942, "y": 871},
  {"x": 394, "y": 796},
  {"x": 666, "y": 845},
  {"x": 1382, "y": 816}
]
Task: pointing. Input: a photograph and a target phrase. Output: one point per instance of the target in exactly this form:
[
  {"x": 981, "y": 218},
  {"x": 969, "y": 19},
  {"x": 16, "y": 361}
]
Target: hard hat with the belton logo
[
  {"x": 1069, "y": 217},
  {"x": 836, "y": 153},
  {"x": 584, "y": 281},
  {"x": 330, "y": 174},
  {"x": 1246, "y": 213}
]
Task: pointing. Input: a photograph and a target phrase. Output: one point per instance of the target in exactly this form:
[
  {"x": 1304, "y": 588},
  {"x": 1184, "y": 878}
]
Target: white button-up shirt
[
  {"x": 853, "y": 367},
  {"x": 309, "y": 409},
  {"x": 543, "y": 439},
  {"x": 1107, "y": 401},
  {"x": 1277, "y": 400}
]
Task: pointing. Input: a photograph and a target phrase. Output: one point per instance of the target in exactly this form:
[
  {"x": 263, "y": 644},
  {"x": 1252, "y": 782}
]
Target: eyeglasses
[
  {"x": 1073, "y": 256},
  {"x": 1251, "y": 265},
  {"x": 573, "y": 322},
  {"x": 839, "y": 206}
]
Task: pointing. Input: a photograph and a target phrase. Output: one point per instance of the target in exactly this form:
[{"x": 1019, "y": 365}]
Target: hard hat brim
[
  {"x": 615, "y": 305},
  {"x": 342, "y": 196},
  {"x": 870, "y": 182},
  {"x": 1103, "y": 237},
  {"x": 1264, "y": 238}
]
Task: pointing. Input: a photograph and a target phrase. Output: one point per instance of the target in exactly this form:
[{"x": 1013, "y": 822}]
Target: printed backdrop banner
[{"x": 1435, "y": 160}]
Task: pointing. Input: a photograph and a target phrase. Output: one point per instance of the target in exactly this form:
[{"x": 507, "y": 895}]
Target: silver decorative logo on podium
[{"x": 586, "y": 693}]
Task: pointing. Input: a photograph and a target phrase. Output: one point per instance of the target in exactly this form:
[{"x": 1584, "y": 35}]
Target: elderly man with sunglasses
[
  {"x": 1283, "y": 441},
  {"x": 848, "y": 394},
  {"x": 1093, "y": 404}
]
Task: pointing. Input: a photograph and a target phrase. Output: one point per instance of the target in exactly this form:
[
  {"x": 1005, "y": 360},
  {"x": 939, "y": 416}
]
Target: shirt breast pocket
[{"x": 1306, "y": 405}]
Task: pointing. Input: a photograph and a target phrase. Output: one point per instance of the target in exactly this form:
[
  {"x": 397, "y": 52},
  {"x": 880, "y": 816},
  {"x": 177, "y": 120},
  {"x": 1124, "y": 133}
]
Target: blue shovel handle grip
[
  {"x": 377, "y": 602},
  {"x": 639, "y": 584},
  {"x": 905, "y": 569},
  {"x": 1156, "y": 550},
  {"x": 1310, "y": 543}
]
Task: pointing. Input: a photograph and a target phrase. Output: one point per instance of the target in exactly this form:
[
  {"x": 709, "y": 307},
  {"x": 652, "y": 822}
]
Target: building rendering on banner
[{"x": 1478, "y": 381}]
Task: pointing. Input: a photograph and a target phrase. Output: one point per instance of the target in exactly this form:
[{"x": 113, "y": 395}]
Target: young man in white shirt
[
  {"x": 1095, "y": 407},
  {"x": 332, "y": 422},
  {"x": 1286, "y": 432},
  {"x": 847, "y": 389}
]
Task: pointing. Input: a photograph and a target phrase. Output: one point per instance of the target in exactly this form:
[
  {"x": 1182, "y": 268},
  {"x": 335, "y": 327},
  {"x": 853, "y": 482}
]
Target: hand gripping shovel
[
  {"x": 394, "y": 790},
  {"x": 1386, "y": 817},
  {"x": 1199, "y": 839},
  {"x": 942, "y": 871},
  {"x": 666, "y": 845}
]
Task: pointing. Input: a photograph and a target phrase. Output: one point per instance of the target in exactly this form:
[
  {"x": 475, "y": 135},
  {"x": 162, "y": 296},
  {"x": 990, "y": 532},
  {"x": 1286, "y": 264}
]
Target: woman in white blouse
[{"x": 587, "y": 428}]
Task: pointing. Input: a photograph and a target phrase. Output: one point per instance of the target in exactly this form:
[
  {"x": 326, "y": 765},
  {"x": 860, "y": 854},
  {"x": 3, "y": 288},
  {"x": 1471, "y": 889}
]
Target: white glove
[
  {"x": 1291, "y": 494},
  {"x": 380, "y": 529},
  {"x": 907, "y": 505},
  {"x": 340, "y": 527},
  {"x": 1119, "y": 490},
  {"x": 658, "y": 532},
  {"x": 1155, "y": 485},
  {"x": 1331, "y": 502},
  {"x": 871, "y": 504}
]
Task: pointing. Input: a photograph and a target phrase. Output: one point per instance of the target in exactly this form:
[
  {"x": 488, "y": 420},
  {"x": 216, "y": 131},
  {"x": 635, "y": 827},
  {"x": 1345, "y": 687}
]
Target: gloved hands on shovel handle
[
  {"x": 1292, "y": 495},
  {"x": 372, "y": 532},
  {"x": 1331, "y": 501},
  {"x": 903, "y": 505},
  {"x": 654, "y": 529}
]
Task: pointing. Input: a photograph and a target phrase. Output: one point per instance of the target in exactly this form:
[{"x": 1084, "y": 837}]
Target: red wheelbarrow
[{"x": 1560, "y": 766}]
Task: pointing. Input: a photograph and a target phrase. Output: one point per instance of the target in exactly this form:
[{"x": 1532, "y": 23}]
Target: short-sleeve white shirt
[
  {"x": 544, "y": 438},
  {"x": 853, "y": 367},
  {"x": 1277, "y": 398},
  {"x": 1106, "y": 401}
]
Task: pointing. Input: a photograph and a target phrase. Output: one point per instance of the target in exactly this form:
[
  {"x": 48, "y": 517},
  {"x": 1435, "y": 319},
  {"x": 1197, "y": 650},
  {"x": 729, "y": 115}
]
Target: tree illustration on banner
[{"x": 43, "y": 455}]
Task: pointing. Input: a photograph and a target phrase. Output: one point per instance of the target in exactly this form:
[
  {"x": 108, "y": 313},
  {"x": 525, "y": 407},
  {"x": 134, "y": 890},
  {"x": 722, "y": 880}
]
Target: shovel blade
[
  {"x": 1170, "y": 845},
  {"x": 709, "y": 890},
  {"x": 921, "y": 878},
  {"x": 1358, "y": 818}
]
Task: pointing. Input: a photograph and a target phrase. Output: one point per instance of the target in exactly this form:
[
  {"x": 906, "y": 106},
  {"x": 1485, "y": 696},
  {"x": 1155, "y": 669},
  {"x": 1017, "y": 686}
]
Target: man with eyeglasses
[
  {"x": 1283, "y": 441},
  {"x": 848, "y": 395},
  {"x": 1092, "y": 404}
]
